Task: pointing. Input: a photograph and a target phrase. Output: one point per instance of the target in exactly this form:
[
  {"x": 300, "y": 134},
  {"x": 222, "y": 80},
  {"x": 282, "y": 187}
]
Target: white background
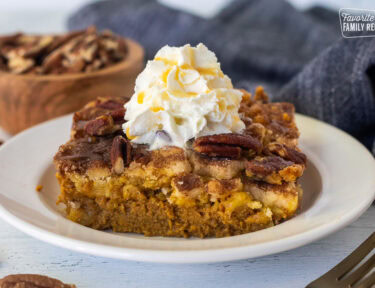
[{"x": 44, "y": 16}]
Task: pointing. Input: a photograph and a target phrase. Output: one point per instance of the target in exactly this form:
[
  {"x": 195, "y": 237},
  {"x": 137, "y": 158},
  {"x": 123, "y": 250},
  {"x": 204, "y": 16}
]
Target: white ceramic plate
[{"x": 339, "y": 185}]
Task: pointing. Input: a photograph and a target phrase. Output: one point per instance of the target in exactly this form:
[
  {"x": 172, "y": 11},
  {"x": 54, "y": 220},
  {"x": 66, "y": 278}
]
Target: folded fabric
[
  {"x": 337, "y": 87},
  {"x": 258, "y": 42},
  {"x": 265, "y": 43}
]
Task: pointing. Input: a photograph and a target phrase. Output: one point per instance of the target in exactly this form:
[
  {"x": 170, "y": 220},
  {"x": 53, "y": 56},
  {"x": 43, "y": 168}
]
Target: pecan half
[
  {"x": 227, "y": 145},
  {"x": 120, "y": 154},
  {"x": 118, "y": 115},
  {"x": 82, "y": 125},
  {"x": 264, "y": 166},
  {"x": 109, "y": 104},
  {"x": 74, "y": 66},
  {"x": 273, "y": 169},
  {"x": 52, "y": 62},
  {"x": 32, "y": 281},
  {"x": 219, "y": 150},
  {"x": 63, "y": 39},
  {"x": 102, "y": 125},
  {"x": 37, "y": 47},
  {"x": 286, "y": 152},
  {"x": 95, "y": 65},
  {"x": 189, "y": 185},
  {"x": 20, "y": 65}
]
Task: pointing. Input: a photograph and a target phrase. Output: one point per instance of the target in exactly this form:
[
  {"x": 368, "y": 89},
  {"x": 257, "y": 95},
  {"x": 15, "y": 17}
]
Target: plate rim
[{"x": 189, "y": 256}]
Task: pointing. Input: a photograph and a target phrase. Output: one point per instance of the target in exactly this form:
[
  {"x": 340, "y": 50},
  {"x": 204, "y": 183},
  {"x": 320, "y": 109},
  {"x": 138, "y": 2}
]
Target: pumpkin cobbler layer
[{"x": 221, "y": 185}]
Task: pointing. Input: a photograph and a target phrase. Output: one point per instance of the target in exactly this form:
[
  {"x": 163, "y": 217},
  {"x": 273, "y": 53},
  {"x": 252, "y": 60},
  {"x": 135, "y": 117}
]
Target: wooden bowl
[{"x": 26, "y": 100}]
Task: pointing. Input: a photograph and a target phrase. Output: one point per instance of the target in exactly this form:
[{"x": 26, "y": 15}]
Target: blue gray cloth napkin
[{"x": 298, "y": 56}]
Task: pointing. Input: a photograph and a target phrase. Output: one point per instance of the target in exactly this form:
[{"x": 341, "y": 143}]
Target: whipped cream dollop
[{"x": 181, "y": 94}]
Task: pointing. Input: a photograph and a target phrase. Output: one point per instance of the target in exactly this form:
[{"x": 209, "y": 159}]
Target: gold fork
[{"x": 343, "y": 275}]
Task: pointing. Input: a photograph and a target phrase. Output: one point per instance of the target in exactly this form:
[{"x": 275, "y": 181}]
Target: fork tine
[
  {"x": 354, "y": 258},
  {"x": 368, "y": 282},
  {"x": 361, "y": 271},
  {"x": 333, "y": 277}
]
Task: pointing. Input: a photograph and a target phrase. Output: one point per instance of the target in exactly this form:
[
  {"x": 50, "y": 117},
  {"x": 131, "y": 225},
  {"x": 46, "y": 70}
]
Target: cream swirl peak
[{"x": 182, "y": 94}]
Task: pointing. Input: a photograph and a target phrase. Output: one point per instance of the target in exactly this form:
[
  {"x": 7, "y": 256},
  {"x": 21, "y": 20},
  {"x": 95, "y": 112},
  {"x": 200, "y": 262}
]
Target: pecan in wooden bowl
[{"x": 42, "y": 77}]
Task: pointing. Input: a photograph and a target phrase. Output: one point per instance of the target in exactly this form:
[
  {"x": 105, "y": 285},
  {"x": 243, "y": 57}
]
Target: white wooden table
[{"x": 20, "y": 253}]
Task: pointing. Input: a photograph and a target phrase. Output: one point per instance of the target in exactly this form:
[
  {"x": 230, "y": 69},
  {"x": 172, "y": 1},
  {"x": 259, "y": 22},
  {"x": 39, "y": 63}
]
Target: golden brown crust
[
  {"x": 288, "y": 153},
  {"x": 89, "y": 126},
  {"x": 228, "y": 145},
  {"x": 219, "y": 168},
  {"x": 187, "y": 182},
  {"x": 225, "y": 178},
  {"x": 120, "y": 154},
  {"x": 273, "y": 169},
  {"x": 80, "y": 155},
  {"x": 278, "y": 118},
  {"x": 219, "y": 189},
  {"x": 113, "y": 107}
]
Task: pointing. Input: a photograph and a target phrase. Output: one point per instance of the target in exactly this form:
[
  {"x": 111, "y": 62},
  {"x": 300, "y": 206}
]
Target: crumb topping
[{"x": 266, "y": 151}]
